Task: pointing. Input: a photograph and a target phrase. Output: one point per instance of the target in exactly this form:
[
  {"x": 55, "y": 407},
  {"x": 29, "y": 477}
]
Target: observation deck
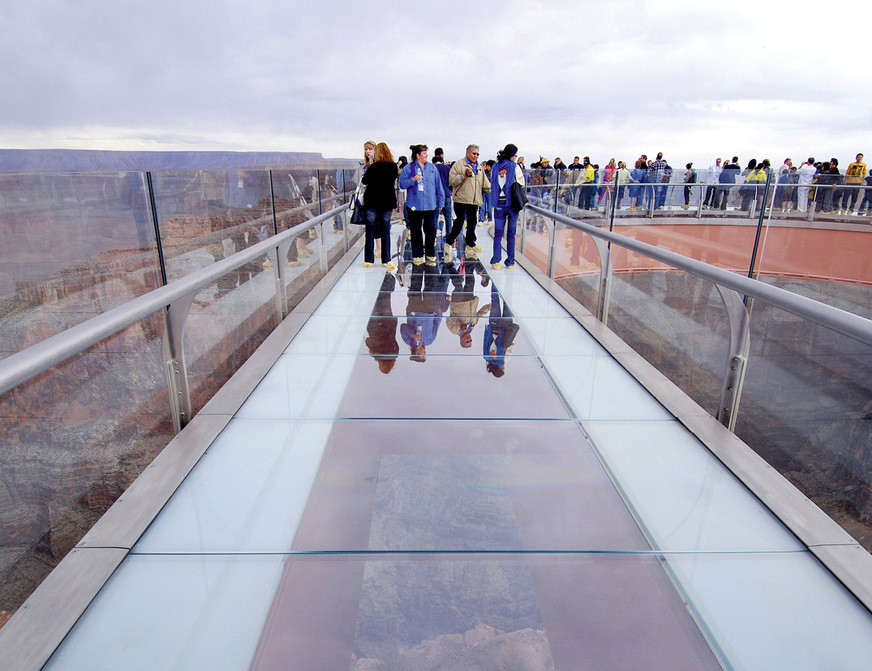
[{"x": 526, "y": 492}]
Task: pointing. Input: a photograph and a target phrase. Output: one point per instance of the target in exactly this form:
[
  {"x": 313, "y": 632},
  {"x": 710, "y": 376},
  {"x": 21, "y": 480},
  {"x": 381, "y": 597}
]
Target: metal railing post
[
  {"x": 523, "y": 224},
  {"x": 737, "y": 359},
  {"x": 152, "y": 207},
  {"x": 552, "y": 247},
  {"x": 174, "y": 359},
  {"x": 276, "y": 257},
  {"x": 603, "y": 299},
  {"x": 322, "y": 249}
]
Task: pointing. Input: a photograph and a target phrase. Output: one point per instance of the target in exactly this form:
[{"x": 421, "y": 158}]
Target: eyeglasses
[{"x": 474, "y": 153}]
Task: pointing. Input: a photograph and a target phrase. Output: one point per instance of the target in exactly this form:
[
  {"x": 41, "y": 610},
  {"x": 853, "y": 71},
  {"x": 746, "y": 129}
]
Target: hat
[{"x": 545, "y": 160}]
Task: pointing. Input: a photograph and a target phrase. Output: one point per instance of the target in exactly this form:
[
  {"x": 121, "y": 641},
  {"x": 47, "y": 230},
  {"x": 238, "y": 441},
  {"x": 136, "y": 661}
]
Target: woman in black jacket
[{"x": 380, "y": 200}]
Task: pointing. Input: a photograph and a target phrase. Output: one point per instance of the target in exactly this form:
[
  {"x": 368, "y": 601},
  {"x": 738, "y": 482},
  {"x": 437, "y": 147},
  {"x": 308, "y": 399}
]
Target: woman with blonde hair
[
  {"x": 379, "y": 202},
  {"x": 368, "y": 153}
]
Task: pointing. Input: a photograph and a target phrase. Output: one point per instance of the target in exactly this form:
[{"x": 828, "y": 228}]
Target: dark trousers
[
  {"x": 464, "y": 213},
  {"x": 422, "y": 230},
  {"x": 850, "y": 196},
  {"x": 588, "y": 196},
  {"x": 710, "y": 196}
]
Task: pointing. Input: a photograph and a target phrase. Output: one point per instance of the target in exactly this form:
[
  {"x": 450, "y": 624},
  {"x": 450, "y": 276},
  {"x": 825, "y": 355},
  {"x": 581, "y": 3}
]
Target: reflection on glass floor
[{"x": 444, "y": 471}]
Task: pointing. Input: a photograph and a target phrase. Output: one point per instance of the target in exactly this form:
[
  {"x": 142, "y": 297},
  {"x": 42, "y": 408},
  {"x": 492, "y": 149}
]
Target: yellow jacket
[{"x": 855, "y": 174}]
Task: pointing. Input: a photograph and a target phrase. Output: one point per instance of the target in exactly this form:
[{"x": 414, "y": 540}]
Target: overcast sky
[{"x": 606, "y": 79}]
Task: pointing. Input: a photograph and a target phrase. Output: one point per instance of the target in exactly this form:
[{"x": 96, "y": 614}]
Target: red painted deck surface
[{"x": 787, "y": 251}]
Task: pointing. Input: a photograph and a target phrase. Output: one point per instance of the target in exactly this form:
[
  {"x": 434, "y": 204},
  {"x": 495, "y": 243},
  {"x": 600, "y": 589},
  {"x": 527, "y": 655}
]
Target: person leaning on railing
[
  {"x": 726, "y": 181},
  {"x": 623, "y": 178},
  {"x": 806, "y": 172}
]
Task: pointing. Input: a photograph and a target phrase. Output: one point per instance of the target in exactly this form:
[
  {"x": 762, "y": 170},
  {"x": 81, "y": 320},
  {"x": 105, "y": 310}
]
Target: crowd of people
[
  {"x": 587, "y": 186},
  {"x": 432, "y": 193}
]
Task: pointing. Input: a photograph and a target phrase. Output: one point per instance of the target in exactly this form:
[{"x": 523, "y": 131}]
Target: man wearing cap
[{"x": 467, "y": 178}]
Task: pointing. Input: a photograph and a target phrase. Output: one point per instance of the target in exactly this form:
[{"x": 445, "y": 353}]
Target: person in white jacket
[{"x": 806, "y": 173}]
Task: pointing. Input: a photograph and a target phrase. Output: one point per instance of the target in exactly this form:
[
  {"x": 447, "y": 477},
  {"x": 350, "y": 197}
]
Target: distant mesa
[{"x": 42, "y": 160}]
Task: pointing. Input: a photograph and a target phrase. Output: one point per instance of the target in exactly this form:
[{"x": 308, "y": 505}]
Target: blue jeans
[
  {"x": 505, "y": 221},
  {"x": 447, "y": 210},
  {"x": 485, "y": 212},
  {"x": 378, "y": 225}
]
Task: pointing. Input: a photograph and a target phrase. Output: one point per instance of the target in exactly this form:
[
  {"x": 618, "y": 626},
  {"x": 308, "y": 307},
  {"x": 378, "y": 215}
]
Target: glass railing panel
[
  {"x": 227, "y": 322},
  {"x": 74, "y": 245},
  {"x": 536, "y": 238},
  {"x": 806, "y": 403},
  {"x": 577, "y": 265},
  {"x": 676, "y": 321},
  {"x": 338, "y": 234},
  {"x": 207, "y": 215},
  {"x": 73, "y": 439},
  {"x": 297, "y": 194}
]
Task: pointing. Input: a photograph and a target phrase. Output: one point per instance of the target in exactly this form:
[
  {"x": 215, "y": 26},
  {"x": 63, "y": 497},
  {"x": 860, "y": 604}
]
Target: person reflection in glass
[
  {"x": 241, "y": 195},
  {"x": 464, "y": 312},
  {"x": 381, "y": 330},
  {"x": 499, "y": 335},
  {"x": 428, "y": 300}
]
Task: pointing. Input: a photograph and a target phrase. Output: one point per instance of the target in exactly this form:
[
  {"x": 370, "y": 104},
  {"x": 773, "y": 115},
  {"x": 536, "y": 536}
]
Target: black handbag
[
  {"x": 358, "y": 211},
  {"x": 519, "y": 197},
  {"x": 358, "y": 214}
]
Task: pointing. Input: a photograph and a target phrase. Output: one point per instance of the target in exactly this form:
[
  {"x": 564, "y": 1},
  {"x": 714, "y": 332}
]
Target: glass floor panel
[
  {"x": 444, "y": 470},
  {"x": 469, "y": 611},
  {"x": 351, "y": 485}
]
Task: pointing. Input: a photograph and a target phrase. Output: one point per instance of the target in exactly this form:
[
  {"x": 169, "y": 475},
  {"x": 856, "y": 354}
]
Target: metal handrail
[
  {"x": 30, "y": 362},
  {"x": 854, "y": 326}
]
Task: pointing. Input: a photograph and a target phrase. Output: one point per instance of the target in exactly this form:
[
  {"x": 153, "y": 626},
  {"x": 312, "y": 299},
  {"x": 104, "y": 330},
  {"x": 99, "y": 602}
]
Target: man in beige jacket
[{"x": 467, "y": 180}]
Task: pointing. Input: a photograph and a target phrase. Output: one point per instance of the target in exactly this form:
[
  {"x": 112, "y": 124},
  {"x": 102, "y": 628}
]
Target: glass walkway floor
[{"x": 444, "y": 470}]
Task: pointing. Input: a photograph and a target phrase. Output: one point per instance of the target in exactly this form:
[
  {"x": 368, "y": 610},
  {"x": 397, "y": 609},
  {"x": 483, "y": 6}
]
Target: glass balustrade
[
  {"x": 78, "y": 244},
  {"x": 806, "y": 398}
]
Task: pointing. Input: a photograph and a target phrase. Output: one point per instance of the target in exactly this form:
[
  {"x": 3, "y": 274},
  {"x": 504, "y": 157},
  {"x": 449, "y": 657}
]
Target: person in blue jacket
[
  {"x": 503, "y": 175},
  {"x": 499, "y": 335},
  {"x": 428, "y": 300},
  {"x": 424, "y": 192}
]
